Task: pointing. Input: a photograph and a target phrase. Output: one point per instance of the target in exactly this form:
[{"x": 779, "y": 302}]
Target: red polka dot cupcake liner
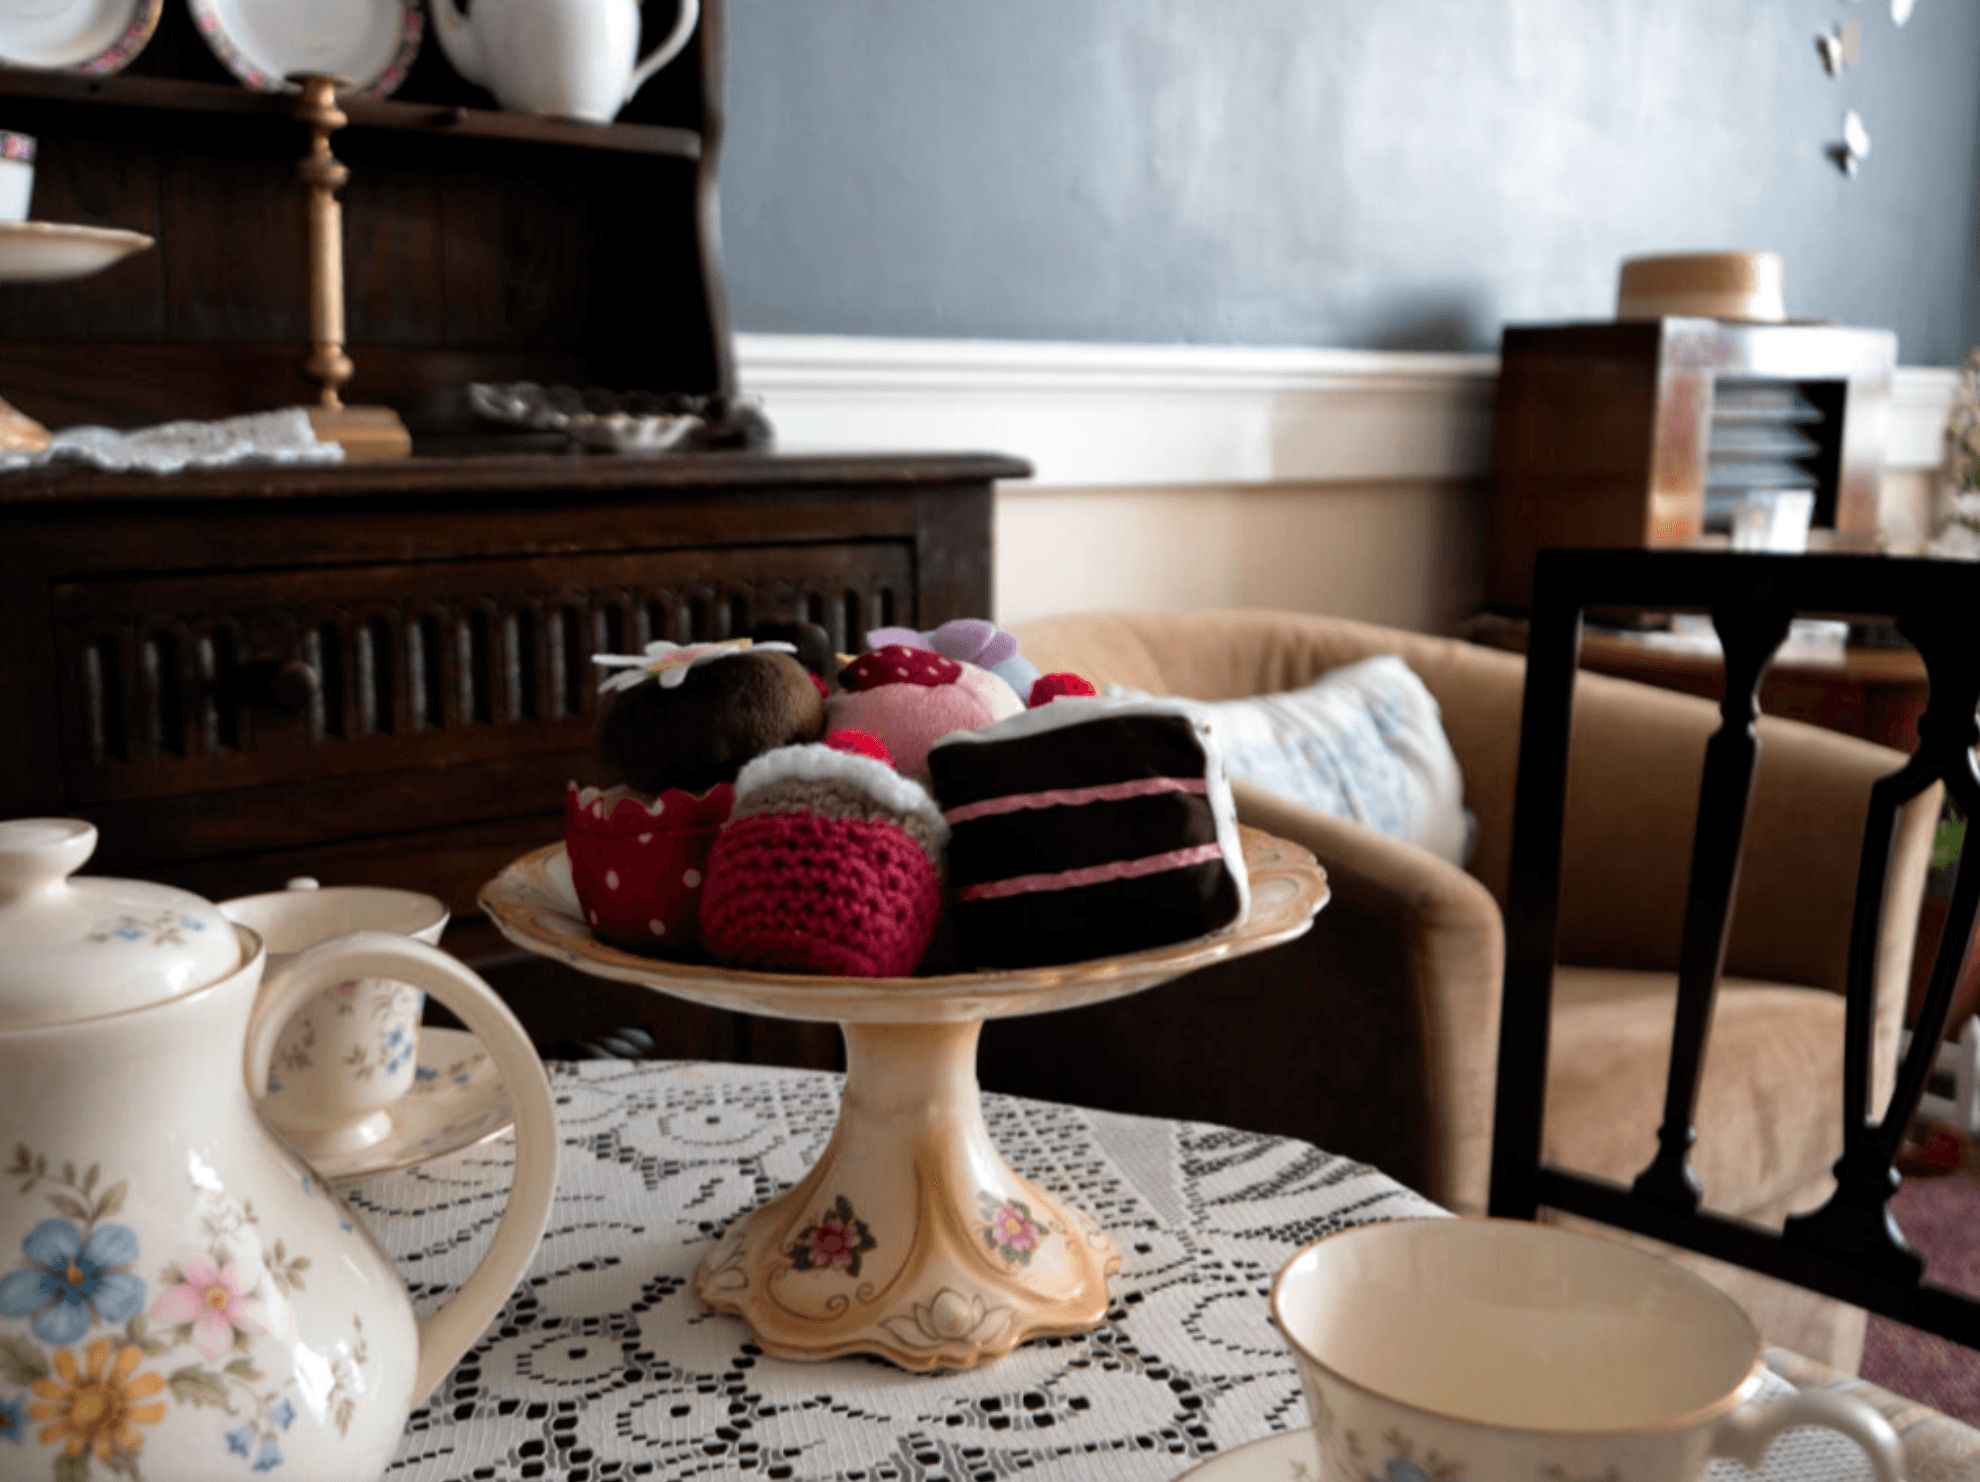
[{"x": 639, "y": 865}]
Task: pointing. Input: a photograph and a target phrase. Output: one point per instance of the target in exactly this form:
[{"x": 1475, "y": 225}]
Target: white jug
[{"x": 571, "y": 58}]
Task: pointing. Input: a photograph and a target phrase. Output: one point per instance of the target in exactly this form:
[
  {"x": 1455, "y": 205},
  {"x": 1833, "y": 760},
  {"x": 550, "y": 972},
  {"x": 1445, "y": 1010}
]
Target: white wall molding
[
  {"x": 1133, "y": 415},
  {"x": 1148, "y": 416}
]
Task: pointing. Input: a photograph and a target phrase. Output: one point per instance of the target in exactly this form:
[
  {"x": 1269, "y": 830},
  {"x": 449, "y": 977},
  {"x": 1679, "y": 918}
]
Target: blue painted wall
[{"x": 1393, "y": 173}]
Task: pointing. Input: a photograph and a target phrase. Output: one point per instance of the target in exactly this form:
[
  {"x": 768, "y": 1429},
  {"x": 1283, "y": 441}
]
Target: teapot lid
[{"x": 79, "y": 948}]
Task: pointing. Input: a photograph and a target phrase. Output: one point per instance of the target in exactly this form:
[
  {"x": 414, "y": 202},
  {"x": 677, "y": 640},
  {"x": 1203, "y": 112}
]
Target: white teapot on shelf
[
  {"x": 180, "y": 1296},
  {"x": 571, "y": 58}
]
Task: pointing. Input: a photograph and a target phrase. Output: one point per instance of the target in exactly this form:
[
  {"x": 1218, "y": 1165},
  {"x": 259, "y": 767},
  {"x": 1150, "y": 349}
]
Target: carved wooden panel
[{"x": 170, "y": 686}]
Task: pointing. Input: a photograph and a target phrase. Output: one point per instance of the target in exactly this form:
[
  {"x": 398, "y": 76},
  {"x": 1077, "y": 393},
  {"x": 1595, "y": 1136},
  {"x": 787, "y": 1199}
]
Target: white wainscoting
[{"x": 1344, "y": 481}]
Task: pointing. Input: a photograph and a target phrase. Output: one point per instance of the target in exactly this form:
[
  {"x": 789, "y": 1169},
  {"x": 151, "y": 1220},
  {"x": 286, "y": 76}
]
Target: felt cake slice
[{"x": 1085, "y": 828}]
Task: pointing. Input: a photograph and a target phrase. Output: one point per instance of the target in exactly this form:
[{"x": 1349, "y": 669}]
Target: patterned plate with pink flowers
[
  {"x": 262, "y": 42},
  {"x": 93, "y": 36}
]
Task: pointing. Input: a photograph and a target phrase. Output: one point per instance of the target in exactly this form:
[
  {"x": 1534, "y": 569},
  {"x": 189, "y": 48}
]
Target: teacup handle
[
  {"x": 1745, "y": 1435},
  {"x": 667, "y": 50},
  {"x": 446, "y": 1335}
]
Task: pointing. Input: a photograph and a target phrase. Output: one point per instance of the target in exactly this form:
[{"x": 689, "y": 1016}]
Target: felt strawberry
[
  {"x": 1051, "y": 686},
  {"x": 898, "y": 664}
]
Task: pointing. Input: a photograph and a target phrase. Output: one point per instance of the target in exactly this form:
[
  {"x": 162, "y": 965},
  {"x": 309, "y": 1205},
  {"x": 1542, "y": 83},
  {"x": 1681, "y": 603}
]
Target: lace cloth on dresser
[{"x": 171, "y": 447}]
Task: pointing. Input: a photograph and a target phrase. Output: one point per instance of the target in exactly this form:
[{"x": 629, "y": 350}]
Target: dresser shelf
[{"x": 42, "y": 100}]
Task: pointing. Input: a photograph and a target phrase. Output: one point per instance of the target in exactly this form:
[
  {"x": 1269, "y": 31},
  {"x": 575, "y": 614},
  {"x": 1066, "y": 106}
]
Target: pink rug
[{"x": 1940, "y": 1217}]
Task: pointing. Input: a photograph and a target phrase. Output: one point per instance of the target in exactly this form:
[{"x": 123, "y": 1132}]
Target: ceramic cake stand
[{"x": 911, "y": 1238}]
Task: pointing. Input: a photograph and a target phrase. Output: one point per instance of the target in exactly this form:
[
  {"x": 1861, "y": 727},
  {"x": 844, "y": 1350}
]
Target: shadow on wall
[{"x": 1463, "y": 319}]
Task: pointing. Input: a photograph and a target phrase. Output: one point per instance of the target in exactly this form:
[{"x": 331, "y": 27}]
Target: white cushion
[{"x": 1364, "y": 742}]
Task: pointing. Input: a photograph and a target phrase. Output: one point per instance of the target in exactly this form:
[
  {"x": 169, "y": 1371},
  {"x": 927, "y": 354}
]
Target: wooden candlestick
[{"x": 363, "y": 432}]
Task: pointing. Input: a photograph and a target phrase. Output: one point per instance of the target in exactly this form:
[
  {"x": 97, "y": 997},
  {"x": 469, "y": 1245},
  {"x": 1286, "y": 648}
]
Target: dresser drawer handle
[{"x": 284, "y": 684}]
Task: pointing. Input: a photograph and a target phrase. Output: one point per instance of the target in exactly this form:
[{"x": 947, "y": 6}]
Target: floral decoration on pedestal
[
  {"x": 1011, "y": 1232},
  {"x": 835, "y": 1243}
]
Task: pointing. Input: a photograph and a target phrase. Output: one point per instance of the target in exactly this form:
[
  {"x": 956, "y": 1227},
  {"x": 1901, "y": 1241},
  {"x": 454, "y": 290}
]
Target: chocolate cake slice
[{"x": 1086, "y": 828}]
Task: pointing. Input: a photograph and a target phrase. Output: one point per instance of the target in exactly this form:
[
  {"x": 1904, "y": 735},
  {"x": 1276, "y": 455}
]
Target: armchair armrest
[{"x": 1410, "y": 941}]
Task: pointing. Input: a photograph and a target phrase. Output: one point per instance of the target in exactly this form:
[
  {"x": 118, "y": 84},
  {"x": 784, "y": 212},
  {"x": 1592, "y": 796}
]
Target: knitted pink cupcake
[
  {"x": 831, "y": 863},
  {"x": 639, "y": 866}
]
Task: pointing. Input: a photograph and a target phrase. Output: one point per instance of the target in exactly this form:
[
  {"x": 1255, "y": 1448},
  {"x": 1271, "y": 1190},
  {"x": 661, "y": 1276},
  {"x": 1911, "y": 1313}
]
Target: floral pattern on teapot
[{"x": 119, "y": 1351}]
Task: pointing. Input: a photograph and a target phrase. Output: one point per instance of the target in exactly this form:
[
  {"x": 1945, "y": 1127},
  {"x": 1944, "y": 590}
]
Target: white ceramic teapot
[
  {"x": 180, "y": 1297},
  {"x": 573, "y": 58}
]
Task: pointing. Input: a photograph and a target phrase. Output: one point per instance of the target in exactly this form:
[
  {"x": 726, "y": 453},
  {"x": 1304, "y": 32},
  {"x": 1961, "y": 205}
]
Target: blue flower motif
[
  {"x": 426, "y": 1073},
  {"x": 13, "y": 1418},
  {"x": 283, "y": 1414},
  {"x": 394, "y": 1037},
  {"x": 270, "y": 1457},
  {"x": 70, "y": 1282},
  {"x": 308, "y": 1186},
  {"x": 1402, "y": 1469},
  {"x": 239, "y": 1441}
]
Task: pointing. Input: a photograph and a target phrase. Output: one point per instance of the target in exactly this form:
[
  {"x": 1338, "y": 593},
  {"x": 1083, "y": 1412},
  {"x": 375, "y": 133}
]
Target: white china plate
[
  {"x": 456, "y": 1101},
  {"x": 370, "y": 42},
  {"x": 1290, "y": 1456},
  {"x": 94, "y": 36},
  {"x": 50, "y": 251}
]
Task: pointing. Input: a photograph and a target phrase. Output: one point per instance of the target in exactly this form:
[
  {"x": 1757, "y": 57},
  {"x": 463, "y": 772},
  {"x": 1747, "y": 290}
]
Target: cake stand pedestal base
[{"x": 911, "y": 1239}]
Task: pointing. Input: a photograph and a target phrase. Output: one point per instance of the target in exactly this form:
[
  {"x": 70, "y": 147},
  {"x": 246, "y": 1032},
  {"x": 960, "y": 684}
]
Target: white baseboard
[{"x": 1153, "y": 415}]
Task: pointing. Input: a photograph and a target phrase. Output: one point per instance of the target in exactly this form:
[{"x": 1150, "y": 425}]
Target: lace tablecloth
[{"x": 604, "y": 1365}]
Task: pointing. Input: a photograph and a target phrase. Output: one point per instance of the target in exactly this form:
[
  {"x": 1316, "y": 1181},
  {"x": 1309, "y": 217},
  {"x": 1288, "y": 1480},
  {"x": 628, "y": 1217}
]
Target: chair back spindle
[{"x": 1850, "y": 1248}]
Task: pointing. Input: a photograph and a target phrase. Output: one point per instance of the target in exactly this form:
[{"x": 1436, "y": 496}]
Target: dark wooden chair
[{"x": 1850, "y": 1248}]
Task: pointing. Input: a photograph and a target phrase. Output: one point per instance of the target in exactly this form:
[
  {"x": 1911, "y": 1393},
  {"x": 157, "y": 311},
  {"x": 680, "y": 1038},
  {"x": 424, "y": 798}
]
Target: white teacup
[
  {"x": 1504, "y": 1351},
  {"x": 16, "y": 175},
  {"x": 351, "y": 1051}
]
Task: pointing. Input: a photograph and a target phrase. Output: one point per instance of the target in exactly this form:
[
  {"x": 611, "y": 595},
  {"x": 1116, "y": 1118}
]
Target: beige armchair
[{"x": 1375, "y": 1035}]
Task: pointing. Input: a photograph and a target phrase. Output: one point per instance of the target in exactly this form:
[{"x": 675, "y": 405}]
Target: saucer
[
  {"x": 1290, "y": 1456},
  {"x": 456, "y": 1101},
  {"x": 93, "y": 36},
  {"x": 50, "y": 251}
]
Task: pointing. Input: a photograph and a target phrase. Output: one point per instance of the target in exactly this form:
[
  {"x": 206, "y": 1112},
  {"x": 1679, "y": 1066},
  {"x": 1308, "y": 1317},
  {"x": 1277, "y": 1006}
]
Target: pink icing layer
[
  {"x": 1073, "y": 797},
  {"x": 1124, "y": 869}
]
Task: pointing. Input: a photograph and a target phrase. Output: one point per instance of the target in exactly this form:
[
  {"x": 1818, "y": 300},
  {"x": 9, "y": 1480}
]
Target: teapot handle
[
  {"x": 445, "y": 1335},
  {"x": 667, "y": 50}
]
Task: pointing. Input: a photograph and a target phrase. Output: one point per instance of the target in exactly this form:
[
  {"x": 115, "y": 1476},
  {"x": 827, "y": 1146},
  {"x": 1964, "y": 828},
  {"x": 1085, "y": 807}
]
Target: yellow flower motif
[{"x": 97, "y": 1410}]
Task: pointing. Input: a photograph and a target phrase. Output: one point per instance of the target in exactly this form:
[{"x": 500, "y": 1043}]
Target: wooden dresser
[{"x": 381, "y": 672}]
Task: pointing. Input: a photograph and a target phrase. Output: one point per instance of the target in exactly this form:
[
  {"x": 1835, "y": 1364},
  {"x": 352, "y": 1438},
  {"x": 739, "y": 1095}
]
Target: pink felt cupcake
[
  {"x": 831, "y": 864},
  {"x": 639, "y": 867},
  {"x": 912, "y": 697}
]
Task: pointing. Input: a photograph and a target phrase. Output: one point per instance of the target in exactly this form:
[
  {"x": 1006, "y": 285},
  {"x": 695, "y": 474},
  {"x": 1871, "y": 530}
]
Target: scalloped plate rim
[
  {"x": 268, "y": 76},
  {"x": 519, "y": 898},
  {"x": 133, "y": 35}
]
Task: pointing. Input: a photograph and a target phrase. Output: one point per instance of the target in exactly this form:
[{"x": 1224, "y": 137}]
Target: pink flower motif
[
  {"x": 832, "y": 1243},
  {"x": 210, "y": 1299},
  {"x": 1013, "y": 1229}
]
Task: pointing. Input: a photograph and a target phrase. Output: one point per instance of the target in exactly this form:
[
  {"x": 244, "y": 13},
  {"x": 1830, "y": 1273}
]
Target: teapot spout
[{"x": 460, "y": 41}]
